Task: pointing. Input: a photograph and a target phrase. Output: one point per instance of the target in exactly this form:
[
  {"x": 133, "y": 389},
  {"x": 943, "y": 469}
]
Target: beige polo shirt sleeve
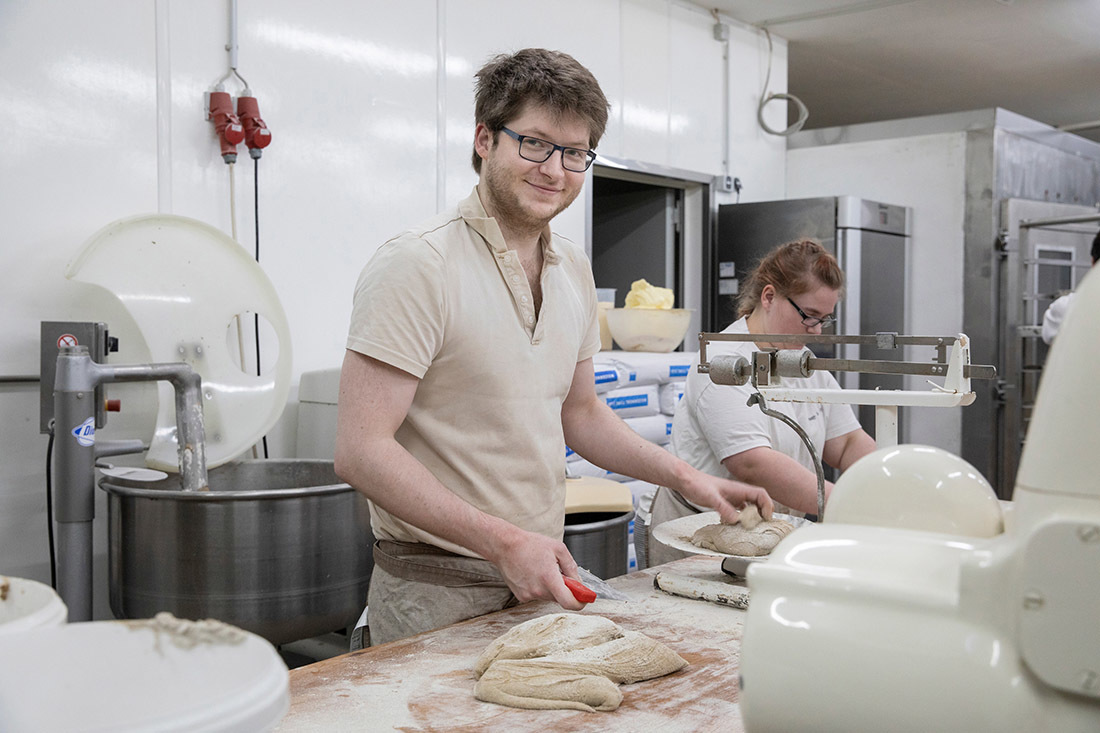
[{"x": 399, "y": 306}]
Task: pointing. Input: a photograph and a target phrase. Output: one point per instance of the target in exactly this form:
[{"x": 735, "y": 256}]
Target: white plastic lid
[
  {"x": 28, "y": 604},
  {"x": 185, "y": 283},
  {"x": 141, "y": 676}
]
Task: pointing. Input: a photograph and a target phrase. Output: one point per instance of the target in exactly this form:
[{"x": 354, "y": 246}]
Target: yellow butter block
[{"x": 644, "y": 295}]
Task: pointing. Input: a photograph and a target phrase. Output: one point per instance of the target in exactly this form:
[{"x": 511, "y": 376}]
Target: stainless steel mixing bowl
[
  {"x": 598, "y": 541},
  {"x": 281, "y": 548}
]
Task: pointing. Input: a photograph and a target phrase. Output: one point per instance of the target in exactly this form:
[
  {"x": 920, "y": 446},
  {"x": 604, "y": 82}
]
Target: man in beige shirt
[{"x": 469, "y": 367}]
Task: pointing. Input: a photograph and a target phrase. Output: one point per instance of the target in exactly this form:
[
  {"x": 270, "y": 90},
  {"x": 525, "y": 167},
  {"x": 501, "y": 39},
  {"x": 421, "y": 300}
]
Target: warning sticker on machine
[{"x": 85, "y": 432}]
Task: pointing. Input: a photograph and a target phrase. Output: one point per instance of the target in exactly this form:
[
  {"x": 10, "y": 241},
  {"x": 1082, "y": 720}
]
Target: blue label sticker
[
  {"x": 679, "y": 370},
  {"x": 606, "y": 375},
  {"x": 620, "y": 403},
  {"x": 85, "y": 432}
]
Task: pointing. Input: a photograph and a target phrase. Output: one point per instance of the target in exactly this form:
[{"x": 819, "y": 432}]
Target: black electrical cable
[
  {"x": 49, "y": 510},
  {"x": 256, "y": 209}
]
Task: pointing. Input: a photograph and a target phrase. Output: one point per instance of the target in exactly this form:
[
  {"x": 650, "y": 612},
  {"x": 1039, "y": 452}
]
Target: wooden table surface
[{"x": 426, "y": 682}]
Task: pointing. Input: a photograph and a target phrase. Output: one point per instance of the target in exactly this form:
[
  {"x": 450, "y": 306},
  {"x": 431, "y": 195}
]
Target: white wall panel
[
  {"x": 646, "y": 79},
  {"x": 926, "y": 173},
  {"x": 753, "y": 151},
  {"x": 348, "y": 90},
  {"x": 370, "y": 136},
  {"x": 78, "y": 150},
  {"x": 695, "y": 123}
]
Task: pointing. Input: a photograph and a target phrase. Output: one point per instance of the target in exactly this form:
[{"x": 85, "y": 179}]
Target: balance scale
[
  {"x": 952, "y": 362},
  {"x": 920, "y": 602}
]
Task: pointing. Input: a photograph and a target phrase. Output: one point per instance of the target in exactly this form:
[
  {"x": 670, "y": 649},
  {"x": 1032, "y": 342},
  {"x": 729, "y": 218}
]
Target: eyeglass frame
[
  {"x": 554, "y": 147},
  {"x": 823, "y": 321}
]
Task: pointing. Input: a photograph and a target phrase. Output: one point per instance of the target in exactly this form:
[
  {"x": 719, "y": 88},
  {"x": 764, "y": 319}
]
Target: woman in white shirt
[{"x": 793, "y": 290}]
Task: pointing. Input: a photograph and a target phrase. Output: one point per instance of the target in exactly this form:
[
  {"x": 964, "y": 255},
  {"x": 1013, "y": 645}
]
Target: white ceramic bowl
[
  {"x": 648, "y": 329},
  {"x": 27, "y": 604}
]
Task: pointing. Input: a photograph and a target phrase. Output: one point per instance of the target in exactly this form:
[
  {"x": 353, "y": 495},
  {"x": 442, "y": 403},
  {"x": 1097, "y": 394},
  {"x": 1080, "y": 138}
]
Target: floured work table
[{"x": 426, "y": 682}]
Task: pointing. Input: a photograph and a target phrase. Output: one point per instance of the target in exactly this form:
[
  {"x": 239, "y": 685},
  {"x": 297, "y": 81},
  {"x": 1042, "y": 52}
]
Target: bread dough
[
  {"x": 737, "y": 539},
  {"x": 556, "y": 632},
  {"x": 578, "y": 675},
  {"x": 750, "y": 516},
  {"x": 521, "y": 686}
]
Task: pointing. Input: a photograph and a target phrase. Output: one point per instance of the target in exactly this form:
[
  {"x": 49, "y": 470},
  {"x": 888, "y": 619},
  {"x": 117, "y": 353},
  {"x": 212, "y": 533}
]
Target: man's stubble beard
[{"x": 507, "y": 206}]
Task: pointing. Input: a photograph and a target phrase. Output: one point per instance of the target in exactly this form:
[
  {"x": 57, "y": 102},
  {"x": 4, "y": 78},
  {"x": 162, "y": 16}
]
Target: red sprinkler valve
[
  {"x": 256, "y": 135},
  {"x": 226, "y": 124}
]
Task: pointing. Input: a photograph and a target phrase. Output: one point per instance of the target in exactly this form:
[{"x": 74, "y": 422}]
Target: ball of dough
[{"x": 736, "y": 539}]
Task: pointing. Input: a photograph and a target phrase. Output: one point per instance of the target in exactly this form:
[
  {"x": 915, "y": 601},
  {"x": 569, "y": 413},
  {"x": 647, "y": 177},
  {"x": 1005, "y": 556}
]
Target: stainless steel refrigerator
[{"x": 869, "y": 240}]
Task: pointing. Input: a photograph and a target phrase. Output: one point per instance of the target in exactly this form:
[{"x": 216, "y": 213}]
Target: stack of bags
[{"x": 642, "y": 388}]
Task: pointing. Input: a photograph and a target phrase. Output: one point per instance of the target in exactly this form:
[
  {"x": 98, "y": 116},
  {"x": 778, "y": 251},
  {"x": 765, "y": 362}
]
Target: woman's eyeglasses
[{"x": 811, "y": 321}]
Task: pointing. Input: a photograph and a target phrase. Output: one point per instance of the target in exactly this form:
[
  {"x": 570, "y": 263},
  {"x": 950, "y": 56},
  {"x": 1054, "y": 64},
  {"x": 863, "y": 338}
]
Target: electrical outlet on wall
[{"x": 728, "y": 184}]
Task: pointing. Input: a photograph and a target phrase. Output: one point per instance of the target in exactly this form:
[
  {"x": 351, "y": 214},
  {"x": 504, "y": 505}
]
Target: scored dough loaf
[
  {"x": 555, "y": 632},
  {"x": 534, "y": 688},
  {"x": 736, "y": 539},
  {"x": 576, "y": 677}
]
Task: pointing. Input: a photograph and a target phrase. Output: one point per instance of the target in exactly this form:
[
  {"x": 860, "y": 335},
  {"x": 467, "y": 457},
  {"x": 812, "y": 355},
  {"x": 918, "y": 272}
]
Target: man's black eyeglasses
[
  {"x": 811, "y": 321},
  {"x": 539, "y": 151}
]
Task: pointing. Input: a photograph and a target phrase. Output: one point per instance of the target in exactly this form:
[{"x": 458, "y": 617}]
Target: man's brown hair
[{"x": 550, "y": 79}]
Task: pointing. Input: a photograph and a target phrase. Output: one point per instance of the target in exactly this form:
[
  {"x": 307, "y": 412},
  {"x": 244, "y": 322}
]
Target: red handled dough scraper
[{"x": 592, "y": 588}]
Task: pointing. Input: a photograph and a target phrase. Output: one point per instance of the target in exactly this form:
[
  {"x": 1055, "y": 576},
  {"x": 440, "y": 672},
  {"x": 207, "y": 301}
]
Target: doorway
[
  {"x": 652, "y": 223},
  {"x": 636, "y": 230}
]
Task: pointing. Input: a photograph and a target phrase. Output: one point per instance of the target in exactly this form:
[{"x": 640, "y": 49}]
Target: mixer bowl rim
[
  {"x": 148, "y": 489},
  {"x": 111, "y": 486}
]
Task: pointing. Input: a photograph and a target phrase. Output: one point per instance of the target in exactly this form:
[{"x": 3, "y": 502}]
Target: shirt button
[
  {"x": 524, "y": 298},
  {"x": 515, "y": 278},
  {"x": 530, "y": 319}
]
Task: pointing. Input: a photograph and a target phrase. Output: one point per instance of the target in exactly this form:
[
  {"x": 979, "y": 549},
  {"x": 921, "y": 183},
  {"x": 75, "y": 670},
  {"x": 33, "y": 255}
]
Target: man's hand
[
  {"x": 726, "y": 496},
  {"x": 594, "y": 431},
  {"x": 533, "y": 566}
]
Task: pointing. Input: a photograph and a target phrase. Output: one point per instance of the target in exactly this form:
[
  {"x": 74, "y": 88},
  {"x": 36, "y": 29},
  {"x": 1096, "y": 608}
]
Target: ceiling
[{"x": 852, "y": 61}]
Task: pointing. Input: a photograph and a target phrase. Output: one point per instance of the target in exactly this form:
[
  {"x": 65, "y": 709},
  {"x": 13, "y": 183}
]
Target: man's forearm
[
  {"x": 393, "y": 479},
  {"x": 601, "y": 437}
]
